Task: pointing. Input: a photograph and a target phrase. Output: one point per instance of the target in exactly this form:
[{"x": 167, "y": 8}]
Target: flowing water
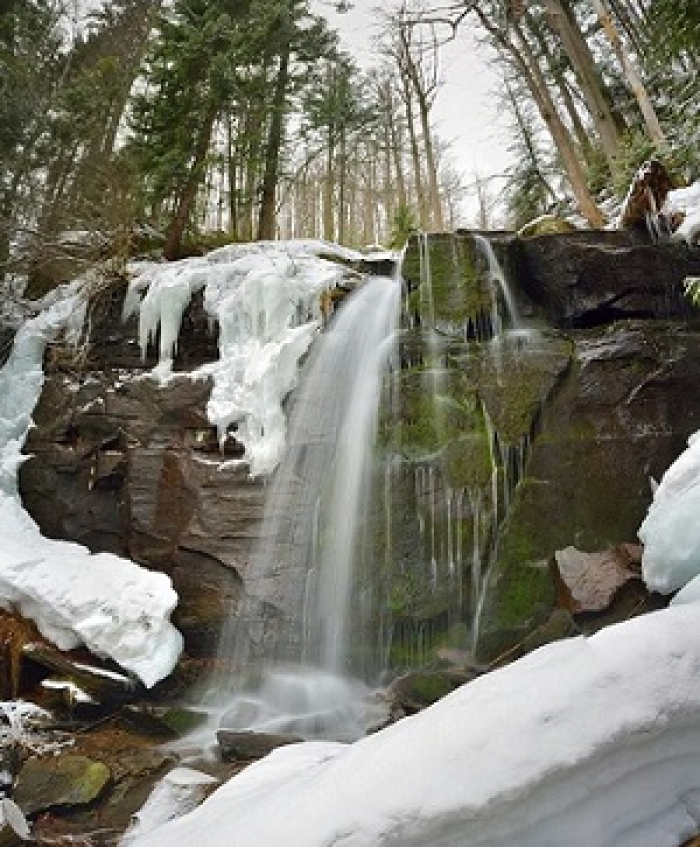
[
  {"x": 291, "y": 632},
  {"x": 464, "y": 470}
]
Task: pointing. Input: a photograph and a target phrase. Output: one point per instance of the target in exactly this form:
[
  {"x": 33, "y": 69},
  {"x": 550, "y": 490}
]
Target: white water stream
[{"x": 299, "y": 585}]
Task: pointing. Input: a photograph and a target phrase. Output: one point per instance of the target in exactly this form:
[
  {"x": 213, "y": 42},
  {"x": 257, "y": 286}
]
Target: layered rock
[{"x": 120, "y": 463}]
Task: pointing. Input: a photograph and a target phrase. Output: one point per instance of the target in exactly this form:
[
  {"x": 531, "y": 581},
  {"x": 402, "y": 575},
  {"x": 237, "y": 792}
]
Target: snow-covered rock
[
  {"x": 671, "y": 530},
  {"x": 266, "y": 298},
  {"x": 111, "y": 605}
]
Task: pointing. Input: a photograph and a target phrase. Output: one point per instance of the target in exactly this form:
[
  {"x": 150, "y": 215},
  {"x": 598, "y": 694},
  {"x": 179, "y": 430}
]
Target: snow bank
[
  {"x": 685, "y": 201},
  {"x": 671, "y": 530},
  {"x": 111, "y": 605},
  {"x": 586, "y": 741},
  {"x": 266, "y": 300}
]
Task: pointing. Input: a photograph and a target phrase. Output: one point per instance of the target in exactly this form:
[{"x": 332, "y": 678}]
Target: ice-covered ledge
[{"x": 266, "y": 298}]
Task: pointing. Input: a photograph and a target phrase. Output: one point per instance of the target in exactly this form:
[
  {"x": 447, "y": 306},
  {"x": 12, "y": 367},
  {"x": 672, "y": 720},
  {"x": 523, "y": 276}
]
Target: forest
[{"x": 179, "y": 125}]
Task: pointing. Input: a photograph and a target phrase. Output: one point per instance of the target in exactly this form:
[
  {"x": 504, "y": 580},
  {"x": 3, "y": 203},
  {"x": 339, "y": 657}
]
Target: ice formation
[
  {"x": 585, "y": 741},
  {"x": 671, "y": 530},
  {"x": 266, "y": 300},
  {"x": 111, "y": 605}
]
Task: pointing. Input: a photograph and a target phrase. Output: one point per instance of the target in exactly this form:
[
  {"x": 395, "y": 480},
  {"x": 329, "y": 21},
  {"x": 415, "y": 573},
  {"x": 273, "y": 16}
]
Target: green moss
[
  {"x": 183, "y": 720},
  {"x": 515, "y": 382},
  {"x": 456, "y": 289},
  {"x": 524, "y": 592},
  {"x": 466, "y": 461},
  {"x": 429, "y": 687},
  {"x": 435, "y": 408}
]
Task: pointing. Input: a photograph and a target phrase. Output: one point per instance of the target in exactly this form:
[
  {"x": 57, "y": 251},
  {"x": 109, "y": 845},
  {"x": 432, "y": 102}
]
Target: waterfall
[
  {"x": 499, "y": 283},
  {"x": 448, "y": 464},
  {"x": 299, "y": 585}
]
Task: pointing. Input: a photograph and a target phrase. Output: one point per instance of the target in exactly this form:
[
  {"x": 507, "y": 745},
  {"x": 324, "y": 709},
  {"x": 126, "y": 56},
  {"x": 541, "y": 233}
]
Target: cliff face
[
  {"x": 511, "y": 448},
  {"x": 497, "y": 454},
  {"x": 119, "y": 463}
]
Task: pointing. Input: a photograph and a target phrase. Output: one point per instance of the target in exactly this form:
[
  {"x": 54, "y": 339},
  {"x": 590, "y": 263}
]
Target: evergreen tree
[
  {"x": 31, "y": 62},
  {"x": 214, "y": 60}
]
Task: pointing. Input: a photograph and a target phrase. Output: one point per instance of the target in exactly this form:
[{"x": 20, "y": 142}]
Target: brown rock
[{"x": 593, "y": 579}]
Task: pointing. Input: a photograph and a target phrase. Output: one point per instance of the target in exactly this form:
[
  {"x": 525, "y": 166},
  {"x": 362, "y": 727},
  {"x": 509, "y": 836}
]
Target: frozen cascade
[
  {"x": 265, "y": 298},
  {"x": 300, "y": 581}
]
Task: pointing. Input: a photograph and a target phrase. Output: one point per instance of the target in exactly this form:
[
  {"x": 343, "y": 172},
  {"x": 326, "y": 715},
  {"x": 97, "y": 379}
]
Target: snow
[
  {"x": 181, "y": 790},
  {"x": 115, "y": 608},
  {"x": 266, "y": 300},
  {"x": 671, "y": 530},
  {"x": 584, "y": 742},
  {"x": 687, "y": 202}
]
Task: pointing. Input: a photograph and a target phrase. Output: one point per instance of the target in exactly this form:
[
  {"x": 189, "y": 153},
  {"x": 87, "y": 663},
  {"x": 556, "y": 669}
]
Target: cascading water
[
  {"x": 499, "y": 281},
  {"x": 464, "y": 337},
  {"x": 300, "y": 582}
]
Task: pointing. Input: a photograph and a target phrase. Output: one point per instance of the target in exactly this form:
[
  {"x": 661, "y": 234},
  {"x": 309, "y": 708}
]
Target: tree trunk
[
  {"x": 584, "y": 66},
  {"x": 532, "y": 73},
  {"x": 416, "y": 159},
  {"x": 630, "y": 72},
  {"x": 431, "y": 165},
  {"x": 329, "y": 190},
  {"x": 567, "y": 100},
  {"x": 173, "y": 238},
  {"x": 266, "y": 219}
]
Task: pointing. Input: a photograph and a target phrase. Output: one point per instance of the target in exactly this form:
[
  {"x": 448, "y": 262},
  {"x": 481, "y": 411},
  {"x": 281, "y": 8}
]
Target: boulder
[
  {"x": 591, "y": 580},
  {"x": 246, "y": 746},
  {"x": 588, "y": 279},
  {"x": 419, "y": 689},
  {"x": 546, "y": 225},
  {"x": 46, "y": 782}
]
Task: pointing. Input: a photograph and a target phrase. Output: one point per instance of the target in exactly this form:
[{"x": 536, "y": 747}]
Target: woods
[{"x": 245, "y": 119}]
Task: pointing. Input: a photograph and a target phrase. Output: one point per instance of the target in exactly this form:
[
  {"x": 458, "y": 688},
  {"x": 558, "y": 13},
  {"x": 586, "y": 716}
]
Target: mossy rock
[
  {"x": 516, "y": 380},
  {"x": 546, "y": 225},
  {"x": 419, "y": 689},
  {"x": 435, "y": 408},
  {"x": 55, "y": 781},
  {"x": 456, "y": 288}
]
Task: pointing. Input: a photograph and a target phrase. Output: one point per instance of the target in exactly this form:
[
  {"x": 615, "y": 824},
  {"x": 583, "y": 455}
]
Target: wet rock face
[
  {"x": 579, "y": 422},
  {"x": 120, "y": 464},
  {"x": 619, "y": 419},
  {"x": 586, "y": 279}
]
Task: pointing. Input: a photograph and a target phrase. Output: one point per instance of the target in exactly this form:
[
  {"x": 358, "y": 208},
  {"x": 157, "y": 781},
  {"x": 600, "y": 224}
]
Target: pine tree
[{"x": 31, "y": 62}]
